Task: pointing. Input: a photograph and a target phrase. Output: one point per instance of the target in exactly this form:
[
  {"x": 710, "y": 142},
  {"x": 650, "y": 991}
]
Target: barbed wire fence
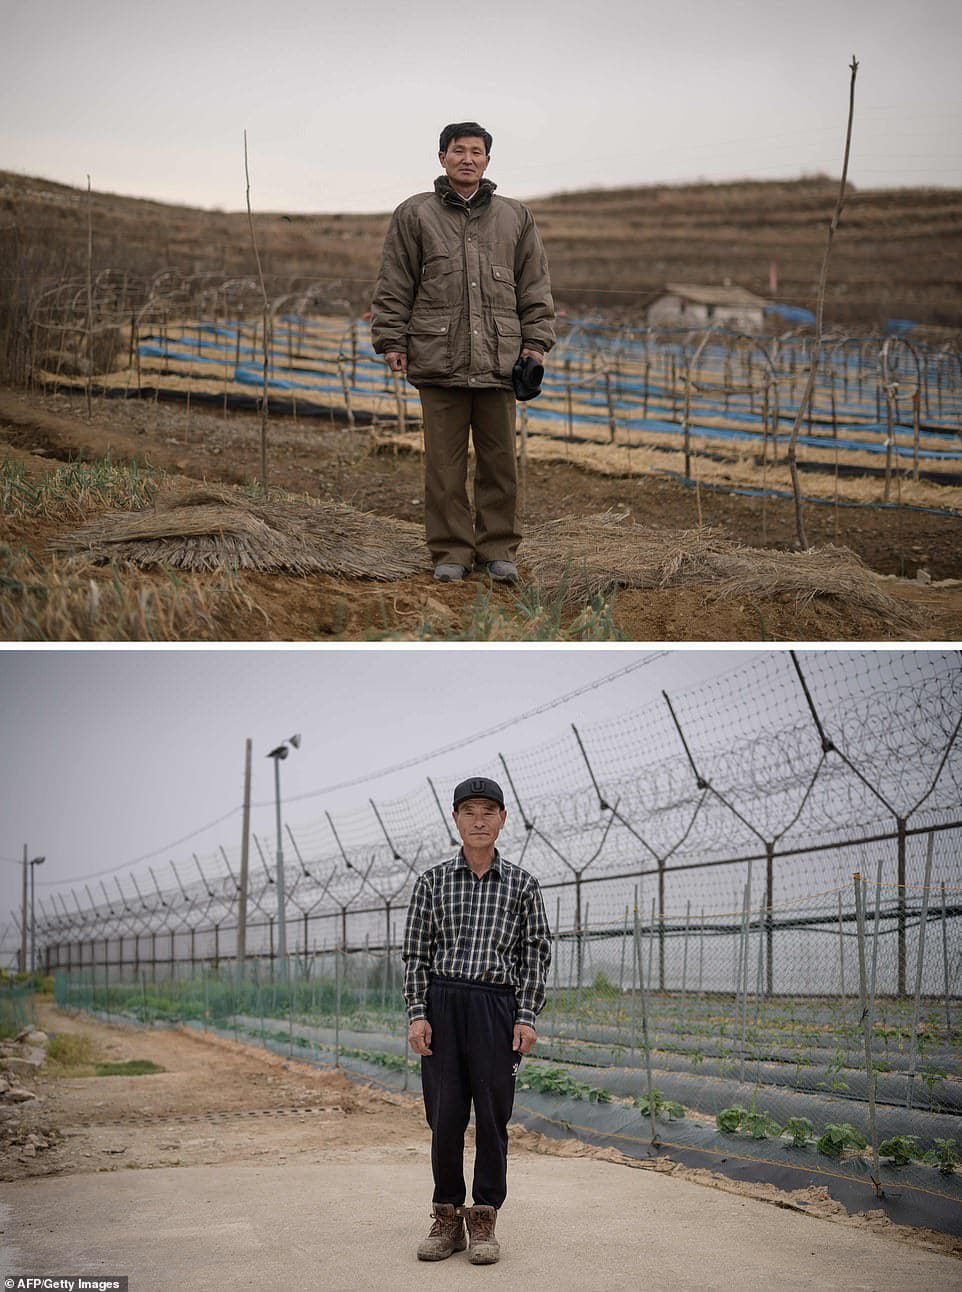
[{"x": 711, "y": 819}]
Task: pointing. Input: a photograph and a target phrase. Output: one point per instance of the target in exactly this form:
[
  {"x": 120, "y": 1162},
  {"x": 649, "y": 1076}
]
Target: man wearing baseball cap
[{"x": 476, "y": 952}]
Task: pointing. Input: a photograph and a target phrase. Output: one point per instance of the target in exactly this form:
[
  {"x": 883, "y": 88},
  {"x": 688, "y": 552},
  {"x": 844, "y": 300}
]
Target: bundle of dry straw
[
  {"x": 595, "y": 554},
  {"x": 215, "y": 527}
]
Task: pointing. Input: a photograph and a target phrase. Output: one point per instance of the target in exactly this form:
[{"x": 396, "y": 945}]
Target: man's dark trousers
[
  {"x": 449, "y": 413},
  {"x": 471, "y": 1059}
]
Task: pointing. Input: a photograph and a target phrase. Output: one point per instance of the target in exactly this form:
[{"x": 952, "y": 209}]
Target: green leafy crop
[{"x": 838, "y": 1136}]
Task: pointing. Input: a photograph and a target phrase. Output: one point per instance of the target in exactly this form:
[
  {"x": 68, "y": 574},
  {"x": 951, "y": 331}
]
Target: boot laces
[
  {"x": 444, "y": 1225},
  {"x": 482, "y": 1226}
]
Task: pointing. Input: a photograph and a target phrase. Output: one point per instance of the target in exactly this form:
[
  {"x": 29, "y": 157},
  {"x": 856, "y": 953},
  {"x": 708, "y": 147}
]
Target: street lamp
[
  {"x": 35, "y": 861},
  {"x": 277, "y": 754}
]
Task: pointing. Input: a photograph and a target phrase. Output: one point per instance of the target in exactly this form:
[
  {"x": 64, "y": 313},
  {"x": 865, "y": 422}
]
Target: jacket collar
[{"x": 442, "y": 186}]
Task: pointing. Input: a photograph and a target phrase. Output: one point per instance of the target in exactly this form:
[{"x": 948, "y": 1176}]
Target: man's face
[
  {"x": 479, "y": 822},
  {"x": 465, "y": 162}
]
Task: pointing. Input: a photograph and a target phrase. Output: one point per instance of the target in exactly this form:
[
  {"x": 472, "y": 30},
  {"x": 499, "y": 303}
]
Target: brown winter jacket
[{"x": 461, "y": 287}]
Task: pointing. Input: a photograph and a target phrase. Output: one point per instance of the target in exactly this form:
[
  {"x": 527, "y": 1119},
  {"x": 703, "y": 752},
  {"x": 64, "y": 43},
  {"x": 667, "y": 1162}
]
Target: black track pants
[{"x": 471, "y": 1030}]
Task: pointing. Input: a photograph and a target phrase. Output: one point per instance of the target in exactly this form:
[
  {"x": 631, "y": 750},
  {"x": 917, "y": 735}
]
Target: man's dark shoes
[
  {"x": 501, "y": 571},
  {"x": 446, "y": 1236},
  {"x": 448, "y": 572},
  {"x": 483, "y": 1248}
]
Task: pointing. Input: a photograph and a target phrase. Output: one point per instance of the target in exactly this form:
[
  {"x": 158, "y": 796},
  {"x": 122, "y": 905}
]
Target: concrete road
[{"x": 353, "y": 1222}]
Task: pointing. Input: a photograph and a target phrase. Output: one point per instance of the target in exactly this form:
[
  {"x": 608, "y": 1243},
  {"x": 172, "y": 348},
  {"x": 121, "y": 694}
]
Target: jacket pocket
[
  {"x": 501, "y": 290},
  {"x": 508, "y": 344},
  {"x": 429, "y": 347},
  {"x": 441, "y": 282}
]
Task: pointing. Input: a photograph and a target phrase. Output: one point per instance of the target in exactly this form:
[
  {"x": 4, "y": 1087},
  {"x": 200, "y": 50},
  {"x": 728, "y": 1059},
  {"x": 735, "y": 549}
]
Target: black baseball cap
[{"x": 479, "y": 787}]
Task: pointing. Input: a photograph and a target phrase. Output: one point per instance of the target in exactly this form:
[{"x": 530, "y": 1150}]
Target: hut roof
[{"x": 708, "y": 295}]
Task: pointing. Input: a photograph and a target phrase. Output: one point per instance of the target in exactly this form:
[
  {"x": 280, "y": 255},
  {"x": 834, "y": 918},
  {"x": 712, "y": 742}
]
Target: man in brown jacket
[{"x": 462, "y": 293}]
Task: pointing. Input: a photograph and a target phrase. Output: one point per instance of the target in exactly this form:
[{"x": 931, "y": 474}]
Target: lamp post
[
  {"x": 277, "y": 754},
  {"x": 35, "y": 861},
  {"x": 26, "y": 914}
]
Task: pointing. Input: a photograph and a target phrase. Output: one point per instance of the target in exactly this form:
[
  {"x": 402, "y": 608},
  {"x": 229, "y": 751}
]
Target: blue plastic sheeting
[
  {"x": 791, "y": 314},
  {"x": 721, "y": 433},
  {"x": 900, "y": 327},
  {"x": 254, "y": 376}
]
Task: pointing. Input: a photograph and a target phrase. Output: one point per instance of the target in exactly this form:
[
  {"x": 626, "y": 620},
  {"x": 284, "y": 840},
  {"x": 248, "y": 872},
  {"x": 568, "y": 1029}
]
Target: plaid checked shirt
[{"x": 493, "y": 929}]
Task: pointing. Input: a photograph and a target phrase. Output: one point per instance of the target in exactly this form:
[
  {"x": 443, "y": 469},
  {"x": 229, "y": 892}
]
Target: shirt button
[{"x": 474, "y": 284}]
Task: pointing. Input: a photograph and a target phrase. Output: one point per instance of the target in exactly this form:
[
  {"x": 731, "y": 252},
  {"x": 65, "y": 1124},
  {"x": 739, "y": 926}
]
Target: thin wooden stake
[
  {"x": 819, "y": 310},
  {"x": 90, "y": 299},
  {"x": 267, "y": 311}
]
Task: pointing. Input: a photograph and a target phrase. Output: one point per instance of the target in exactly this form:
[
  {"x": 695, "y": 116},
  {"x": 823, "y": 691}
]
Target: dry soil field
[{"x": 49, "y": 594}]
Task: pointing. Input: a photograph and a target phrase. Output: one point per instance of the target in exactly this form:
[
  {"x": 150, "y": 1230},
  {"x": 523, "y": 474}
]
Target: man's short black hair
[{"x": 464, "y": 130}]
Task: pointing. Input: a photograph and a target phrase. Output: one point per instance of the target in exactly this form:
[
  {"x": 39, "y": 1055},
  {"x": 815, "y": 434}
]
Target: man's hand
[
  {"x": 396, "y": 360},
  {"x": 524, "y": 1038},
  {"x": 419, "y": 1036},
  {"x": 528, "y": 353}
]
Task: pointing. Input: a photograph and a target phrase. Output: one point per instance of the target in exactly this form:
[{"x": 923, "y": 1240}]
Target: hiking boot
[
  {"x": 502, "y": 571},
  {"x": 448, "y": 572},
  {"x": 483, "y": 1248},
  {"x": 446, "y": 1236}
]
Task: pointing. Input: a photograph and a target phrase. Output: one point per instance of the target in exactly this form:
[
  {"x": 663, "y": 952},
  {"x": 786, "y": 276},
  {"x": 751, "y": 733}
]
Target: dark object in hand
[{"x": 527, "y": 376}]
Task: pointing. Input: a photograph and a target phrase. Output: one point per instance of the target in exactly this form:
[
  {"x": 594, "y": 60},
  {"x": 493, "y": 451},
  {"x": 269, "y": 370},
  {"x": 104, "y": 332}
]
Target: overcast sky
[
  {"x": 110, "y": 755},
  {"x": 343, "y": 104}
]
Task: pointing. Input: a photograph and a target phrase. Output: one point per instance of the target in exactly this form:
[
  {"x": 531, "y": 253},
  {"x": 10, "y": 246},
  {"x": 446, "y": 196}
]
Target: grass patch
[
  {"x": 75, "y": 600},
  {"x": 76, "y": 489},
  {"x": 530, "y": 614},
  {"x": 131, "y": 1068},
  {"x": 70, "y": 1054}
]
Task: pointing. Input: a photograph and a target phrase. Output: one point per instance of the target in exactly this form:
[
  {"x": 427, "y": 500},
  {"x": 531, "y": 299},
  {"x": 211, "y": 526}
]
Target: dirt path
[{"x": 234, "y": 1166}]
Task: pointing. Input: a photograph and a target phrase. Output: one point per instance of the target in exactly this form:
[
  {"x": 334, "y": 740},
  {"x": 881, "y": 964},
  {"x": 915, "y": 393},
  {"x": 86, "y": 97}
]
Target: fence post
[
  {"x": 866, "y": 1010},
  {"x": 945, "y": 966},
  {"x": 769, "y": 927},
  {"x": 337, "y": 1006},
  {"x": 701, "y": 951},
  {"x": 624, "y": 941},
  {"x": 841, "y": 954},
  {"x": 743, "y": 968},
  {"x": 900, "y": 880},
  {"x": 634, "y": 970},
  {"x": 913, "y": 1039},
  {"x": 644, "y": 1037},
  {"x": 875, "y": 935}
]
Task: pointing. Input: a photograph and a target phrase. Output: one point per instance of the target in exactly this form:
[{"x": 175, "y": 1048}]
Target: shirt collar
[{"x": 461, "y": 860}]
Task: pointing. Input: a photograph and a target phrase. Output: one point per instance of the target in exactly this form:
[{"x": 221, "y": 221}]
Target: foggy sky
[
  {"x": 343, "y": 105},
  {"x": 109, "y": 755}
]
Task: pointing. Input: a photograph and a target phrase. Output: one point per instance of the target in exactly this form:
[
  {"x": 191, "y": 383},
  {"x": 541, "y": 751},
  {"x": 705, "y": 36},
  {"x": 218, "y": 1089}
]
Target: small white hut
[{"x": 692, "y": 305}]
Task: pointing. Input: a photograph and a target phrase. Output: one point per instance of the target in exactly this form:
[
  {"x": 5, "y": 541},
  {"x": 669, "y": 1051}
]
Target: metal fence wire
[{"x": 714, "y": 811}]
